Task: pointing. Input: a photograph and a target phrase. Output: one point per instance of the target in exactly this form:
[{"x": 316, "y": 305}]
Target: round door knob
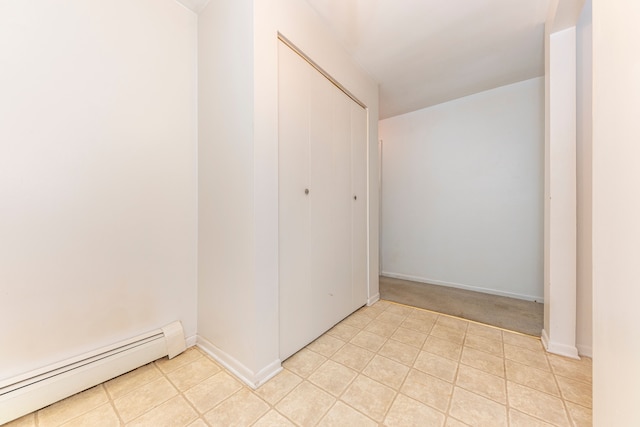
[
  {"x": 306, "y": 191},
  {"x": 355, "y": 197}
]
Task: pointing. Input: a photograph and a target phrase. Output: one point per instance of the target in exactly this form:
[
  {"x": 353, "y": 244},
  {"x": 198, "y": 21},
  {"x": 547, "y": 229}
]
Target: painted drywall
[
  {"x": 97, "y": 175},
  {"x": 559, "y": 333},
  {"x": 238, "y": 171},
  {"x": 226, "y": 271},
  {"x": 616, "y": 209},
  {"x": 563, "y": 14},
  {"x": 462, "y": 192},
  {"x": 584, "y": 82}
]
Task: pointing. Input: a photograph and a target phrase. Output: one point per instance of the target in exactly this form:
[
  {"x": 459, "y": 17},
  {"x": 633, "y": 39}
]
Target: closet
[{"x": 322, "y": 202}]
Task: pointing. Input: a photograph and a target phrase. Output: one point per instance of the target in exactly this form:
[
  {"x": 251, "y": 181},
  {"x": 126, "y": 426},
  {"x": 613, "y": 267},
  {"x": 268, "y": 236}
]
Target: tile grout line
[
  {"x": 387, "y": 339},
  {"x": 569, "y": 372},
  {"x": 361, "y": 371},
  {"x": 506, "y": 380},
  {"x": 201, "y": 415},
  {"x": 412, "y": 366},
  {"x": 465, "y": 320},
  {"x": 273, "y": 406},
  {"x": 358, "y": 372},
  {"x": 564, "y": 401},
  {"x": 455, "y": 378},
  {"x": 180, "y": 392},
  {"x": 397, "y": 392},
  {"x": 101, "y": 386},
  {"x": 112, "y": 403},
  {"x": 507, "y": 403},
  {"x": 560, "y": 395},
  {"x": 159, "y": 403}
]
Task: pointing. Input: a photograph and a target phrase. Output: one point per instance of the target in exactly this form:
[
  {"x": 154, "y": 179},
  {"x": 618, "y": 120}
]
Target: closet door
[
  {"x": 296, "y": 303},
  {"x": 330, "y": 209},
  {"x": 359, "y": 207},
  {"x": 322, "y": 203}
]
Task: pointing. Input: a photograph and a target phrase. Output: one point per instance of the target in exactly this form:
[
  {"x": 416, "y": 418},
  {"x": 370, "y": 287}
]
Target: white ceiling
[
  {"x": 424, "y": 52},
  {"x": 194, "y": 5}
]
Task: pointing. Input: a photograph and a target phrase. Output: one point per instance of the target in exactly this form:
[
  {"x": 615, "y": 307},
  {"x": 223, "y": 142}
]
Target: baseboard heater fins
[{"x": 36, "y": 389}]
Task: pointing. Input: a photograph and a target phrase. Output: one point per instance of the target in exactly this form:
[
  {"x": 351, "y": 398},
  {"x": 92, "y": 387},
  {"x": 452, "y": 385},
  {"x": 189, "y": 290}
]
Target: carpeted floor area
[{"x": 509, "y": 313}]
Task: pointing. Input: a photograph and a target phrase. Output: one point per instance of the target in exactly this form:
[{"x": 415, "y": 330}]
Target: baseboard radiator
[{"x": 33, "y": 390}]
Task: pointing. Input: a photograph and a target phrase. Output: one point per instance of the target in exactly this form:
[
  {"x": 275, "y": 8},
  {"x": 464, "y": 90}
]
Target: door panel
[
  {"x": 320, "y": 212},
  {"x": 341, "y": 289},
  {"x": 293, "y": 110},
  {"x": 360, "y": 204},
  {"x": 320, "y": 232}
]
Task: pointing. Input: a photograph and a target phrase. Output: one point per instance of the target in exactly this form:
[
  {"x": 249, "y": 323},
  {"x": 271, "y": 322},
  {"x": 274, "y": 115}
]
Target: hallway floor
[
  {"x": 513, "y": 314},
  {"x": 387, "y": 364}
]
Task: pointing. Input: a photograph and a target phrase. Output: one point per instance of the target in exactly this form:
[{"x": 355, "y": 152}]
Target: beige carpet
[{"x": 509, "y": 313}]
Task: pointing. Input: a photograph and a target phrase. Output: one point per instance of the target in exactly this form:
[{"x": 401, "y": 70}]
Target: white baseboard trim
[
  {"x": 544, "y": 338},
  {"x": 534, "y": 298},
  {"x": 559, "y": 349},
  {"x": 585, "y": 350},
  {"x": 373, "y": 299},
  {"x": 191, "y": 341},
  {"x": 246, "y": 375}
]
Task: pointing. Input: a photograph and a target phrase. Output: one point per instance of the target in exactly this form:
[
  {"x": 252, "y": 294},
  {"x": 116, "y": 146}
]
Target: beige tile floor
[{"x": 387, "y": 364}]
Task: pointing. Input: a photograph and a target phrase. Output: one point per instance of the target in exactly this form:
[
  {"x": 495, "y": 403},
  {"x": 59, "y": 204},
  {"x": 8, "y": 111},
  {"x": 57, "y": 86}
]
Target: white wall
[
  {"x": 97, "y": 175},
  {"x": 462, "y": 192},
  {"x": 616, "y": 209},
  {"x": 584, "y": 146},
  {"x": 226, "y": 315},
  {"x": 238, "y": 169},
  {"x": 559, "y": 333}
]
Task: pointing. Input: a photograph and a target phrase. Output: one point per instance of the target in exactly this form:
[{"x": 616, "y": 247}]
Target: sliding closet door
[
  {"x": 321, "y": 218},
  {"x": 359, "y": 241},
  {"x": 330, "y": 210},
  {"x": 296, "y": 302}
]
